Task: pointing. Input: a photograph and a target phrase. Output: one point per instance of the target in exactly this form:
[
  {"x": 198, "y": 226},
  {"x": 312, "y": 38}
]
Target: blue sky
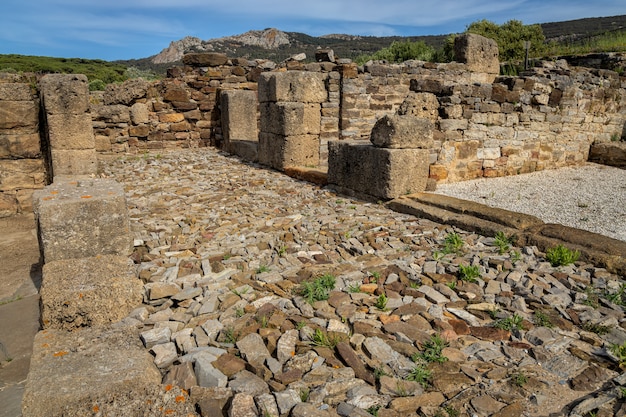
[{"x": 126, "y": 29}]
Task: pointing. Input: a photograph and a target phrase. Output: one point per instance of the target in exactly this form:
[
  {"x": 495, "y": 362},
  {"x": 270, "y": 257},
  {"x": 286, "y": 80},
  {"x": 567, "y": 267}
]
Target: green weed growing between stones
[
  {"x": 317, "y": 290},
  {"x": 510, "y": 323},
  {"x": 432, "y": 350},
  {"x": 620, "y": 352},
  {"x": 469, "y": 273},
  {"x": 381, "y": 302},
  {"x": 561, "y": 255},
  {"x": 502, "y": 242},
  {"x": 420, "y": 374}
]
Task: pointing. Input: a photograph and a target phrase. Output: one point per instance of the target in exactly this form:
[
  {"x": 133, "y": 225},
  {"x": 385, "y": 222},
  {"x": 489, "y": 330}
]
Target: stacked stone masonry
[{"x": 22, "y": 168}]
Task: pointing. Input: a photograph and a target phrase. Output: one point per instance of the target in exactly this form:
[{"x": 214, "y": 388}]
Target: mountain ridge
[{"x": 277, "y": 45}]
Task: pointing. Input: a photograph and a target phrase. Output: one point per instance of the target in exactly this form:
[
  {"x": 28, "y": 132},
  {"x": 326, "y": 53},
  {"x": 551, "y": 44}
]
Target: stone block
[
  {"x": 378, "y": 172},
  {"x": 90, "y": 370},
  {"x": 8, "y": 205},
  {"x": 294, "y": 86},
  {"x": 82, "y": 219},
  {"x": 74, "y": 162},
  {"x": 70, "y": 131},
  {"x": 26, "y": 145},
  {"x": 239, "y": 115},
  {"x": 15, "y": 92},
  {"x": 88, "y": 292},
  {"x": 22, "y": 115},
  {"x": 65, "y": 93},
  {"x": 290, "y": 118},
  {"x": 480, "y": 54},
  {"x": 280, "y": 152},
  {"x": 609, "y": 153},
  {"x": 206, "y": 59},
  {"x": 21, "y": 174},
  {"x": 403, "y": 132},
  {"x": 139, "y": 113},
  {"x": 114, "y": 113},
  {"x": 424, "y": 105}
]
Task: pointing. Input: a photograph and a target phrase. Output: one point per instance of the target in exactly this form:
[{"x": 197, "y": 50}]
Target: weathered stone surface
[
  {"x": 205, "y": 59},
  {"x": 402, "y": 132},
  {"x": 90, "y": 291},
  {"x": 246, "y": 382},
  {"x": 73, "y": 372},
  {"x": 422, "y": 105},
  {"x": 291, "y": 86},
  {"x": 280, "y": 152},
  {"x": 375, "y": 171},
  {"x": 20, "y": 115},
  {"x": 22, "y": 174},
  {"x": 127, "y": 92},
  {"x": 479, "y": 53},
  {"x": 26, "y": 145},
  {"x": 207, "y": 375},
  {"x": 71, "y": 214},
  {"x": 64, "y": 93},
  {"x": 253, "y": 349},
  {"x": 290, "y": 118},
  {"x": 239, "y": 120},
  {"x": 74, "y": 162},
  {"x": 70, "y": 131},
  {"x": 608, "y": 153}
]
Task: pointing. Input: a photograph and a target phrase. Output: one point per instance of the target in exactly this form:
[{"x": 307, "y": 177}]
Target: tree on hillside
[
  {"x": 510, "y": 37},
  {"x": 400, "y": 52}
]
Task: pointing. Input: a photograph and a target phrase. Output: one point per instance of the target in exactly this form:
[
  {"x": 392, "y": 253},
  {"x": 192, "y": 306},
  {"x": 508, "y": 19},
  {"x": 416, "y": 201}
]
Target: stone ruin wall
[
  {"x": 22, "y": 166},
  {"x": 485, "y": 126}
]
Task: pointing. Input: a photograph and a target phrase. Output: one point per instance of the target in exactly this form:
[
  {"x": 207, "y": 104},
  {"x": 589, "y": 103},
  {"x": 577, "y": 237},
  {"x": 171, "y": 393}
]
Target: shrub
[
  {"x": 560, "y": 255},
  {"x": 318, "y": 289}
]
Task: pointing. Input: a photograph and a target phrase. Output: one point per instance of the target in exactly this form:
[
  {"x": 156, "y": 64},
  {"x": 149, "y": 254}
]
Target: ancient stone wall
[{"x": 22, "y": 167}]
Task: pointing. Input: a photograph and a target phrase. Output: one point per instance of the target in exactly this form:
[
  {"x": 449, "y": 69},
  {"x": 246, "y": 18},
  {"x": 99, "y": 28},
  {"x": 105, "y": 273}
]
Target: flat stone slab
[
  {"x": 86, "y": 371},
  {"x": 82, "y": 218},
  {"x": 88, "y": 292}
]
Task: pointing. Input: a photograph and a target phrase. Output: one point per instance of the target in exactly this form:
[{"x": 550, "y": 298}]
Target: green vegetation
[
  {"x": 510, "y": 37},
  {"x": 318, "y": 289},
  {"x": 519, "y": 378},
  {"x": 541, "y": 319},
  {"x": 469, "y": 273},
  {"x": 561, "y": 255},
  {"x": 400, "y": 51},
  {"x": 620, "y": 352},
  {"x": 502, "y": 242},
  {"x": 229, "y": 335},
  {"x": 432, "y": 352},
  {"x": 381, "y": 302},
  {"x": 618, "y": 297},
  {"x": 609, "y": 41},
  {"x": 263, "y": 268},
  {"x": 304, "y": 394},
  {"x": 509, "y": 323},
  {"x": 322, "y": 338},
  {"x": 596, "y": 328},
  {"x": 373, "y": 410},
  {"x": 420, "y": 374}
]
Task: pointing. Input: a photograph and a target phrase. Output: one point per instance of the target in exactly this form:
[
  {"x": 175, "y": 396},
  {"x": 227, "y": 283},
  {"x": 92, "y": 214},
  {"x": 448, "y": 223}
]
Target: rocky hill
[{"x": 277, "y": 45}]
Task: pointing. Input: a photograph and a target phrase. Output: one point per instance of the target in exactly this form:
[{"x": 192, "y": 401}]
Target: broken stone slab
[
  {"x": 82, "y": 218},
  {"x": 402, "y": 132},
  {"x": 82, "y": 371},
  {"x": 88, "y": 292}
]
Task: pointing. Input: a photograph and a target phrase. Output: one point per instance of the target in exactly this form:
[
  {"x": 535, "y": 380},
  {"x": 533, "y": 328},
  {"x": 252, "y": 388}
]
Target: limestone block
[
  {"x": 289, "y": 118},
  {"x": 65, "y": 93},
  {"x": 239, "y": 115},
  {"x": 139, "y": 113},
  {"x": 115, "y": 113},
  {"x": 88, "y": 292},
  {"x": 19, "y": 115},
  {"x": 609, "y": 153},
  {"x": 207, "y": 59},
  {"x": 379, "y": 172},
  {"x": 82, "y": 219},
  {"x": 280, "y": 152},
  {"x": 21, "y": 174},
  {"x": 26, "y": 145},
  {"x": 403, "y": 132},
  {"x": 15, "y": 92},
  {"x": 88, "y": 371},
  {"x": 294, "y": 86},
  {"x": 127, "y": 92},
  {"x": 479, "y": 53},
  {"x": 8, "y": 205},
  {"x": 424, "y": 105},
  {"x": 70, "y": 131},
  {"x": 74, "y": 162}
]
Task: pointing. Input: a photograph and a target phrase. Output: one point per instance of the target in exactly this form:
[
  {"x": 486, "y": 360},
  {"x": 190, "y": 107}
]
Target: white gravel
[{"x": 590, "y": 197}]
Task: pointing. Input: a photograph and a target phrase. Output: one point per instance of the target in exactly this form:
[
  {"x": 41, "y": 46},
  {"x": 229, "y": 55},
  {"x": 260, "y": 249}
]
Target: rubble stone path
[{"x": 265, "y": 295}]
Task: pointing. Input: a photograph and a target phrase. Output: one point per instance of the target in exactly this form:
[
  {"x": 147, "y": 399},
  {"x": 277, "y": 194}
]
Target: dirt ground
[{"x": 20, "y": 279}]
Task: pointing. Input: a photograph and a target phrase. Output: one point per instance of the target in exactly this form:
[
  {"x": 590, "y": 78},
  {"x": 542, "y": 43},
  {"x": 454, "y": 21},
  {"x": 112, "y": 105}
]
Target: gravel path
[{"x": 591, "y": 197}]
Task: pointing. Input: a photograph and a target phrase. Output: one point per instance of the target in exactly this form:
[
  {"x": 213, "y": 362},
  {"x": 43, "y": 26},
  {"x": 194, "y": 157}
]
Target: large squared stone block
[
  {"x": 239, "y": 115},
  {"x": 89, "y": 372},
  {"x": 403, "y": 132},
  {"x": 82, "y": 219},
  {"x": 72, "y": 162},
  {"x": 88, "y": 292},
  {"x": 296, "y": 86},
  {"x": 23, "y": 115},
  {"x": 65, "y": 93},
  {"x": 280, "y": 152},
  {"x": 70, "y": 131},
  {"x": 289, "y": 118},
  {"x": 378, "y": 172}
]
